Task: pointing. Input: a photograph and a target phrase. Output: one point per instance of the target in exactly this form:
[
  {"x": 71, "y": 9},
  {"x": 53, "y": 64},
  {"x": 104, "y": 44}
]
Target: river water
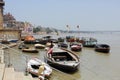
[{"x": 93, "y": 65}]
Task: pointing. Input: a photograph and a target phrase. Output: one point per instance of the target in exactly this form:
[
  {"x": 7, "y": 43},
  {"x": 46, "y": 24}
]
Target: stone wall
[{"x": 10, "y": 34}]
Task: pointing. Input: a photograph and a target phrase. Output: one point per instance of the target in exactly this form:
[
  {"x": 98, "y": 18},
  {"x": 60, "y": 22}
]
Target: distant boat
[
  {"x": 39, "y": 46},
  {"x": 70, "y": 38},
  {"x": 62, "y": 45},
  {"x": 13, "y": 40},
  {"x": 60, "y": 39},
  {"x": 63, "y": 60},
  {"x": 30, "y": 50},
  {"x": 22, "y": 46},
  {"x": 102, "y": 48},
  {"x": 33, "y": 67},
  {"x": 76, "y": 46},
  {"x": 89, "y": 42},
  {"x": 29, "y": 40},
  {"x": 5, "y": 42}
]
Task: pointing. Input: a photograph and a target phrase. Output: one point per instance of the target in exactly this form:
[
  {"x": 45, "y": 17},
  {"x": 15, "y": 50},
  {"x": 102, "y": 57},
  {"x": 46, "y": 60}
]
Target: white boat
[
  {"x": 33, "y": 68},
  {"x": 39, "y": 46}
]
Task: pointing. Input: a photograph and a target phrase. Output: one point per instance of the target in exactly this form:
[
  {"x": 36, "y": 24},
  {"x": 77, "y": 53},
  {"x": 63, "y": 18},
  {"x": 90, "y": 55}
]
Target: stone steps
[
  {"x": 11, "y": 74},
  {"x": 2, "y": 68},
  {"x": 19, "y": 76}
]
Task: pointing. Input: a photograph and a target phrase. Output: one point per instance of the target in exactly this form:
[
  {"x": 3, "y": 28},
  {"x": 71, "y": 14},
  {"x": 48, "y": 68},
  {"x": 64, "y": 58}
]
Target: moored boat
[
  {"x": 13, "y": 40},
  {"x": 30, "y": 50},
  {"x": 5, "y": 42},
  {"x": 22, "y": 46},
  {"x": 33, "y": 67},
  {"x": 70, "y": 38},
  {"x": 63, "y": 60},
  {"x": 62, "y": 45},
  {"x": 39, "y": 46},
  {"x": 102, "y": 48},
  {"x": 89, "y": 42},
  {"x": 29, "y": 40},
  {"x": 76, "y": 46},
  {"x": 60, "y": 39}
]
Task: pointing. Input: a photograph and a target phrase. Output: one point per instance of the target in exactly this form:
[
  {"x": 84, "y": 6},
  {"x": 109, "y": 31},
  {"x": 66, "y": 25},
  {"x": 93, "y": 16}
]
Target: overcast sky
[{"x": 89, "y": 14}]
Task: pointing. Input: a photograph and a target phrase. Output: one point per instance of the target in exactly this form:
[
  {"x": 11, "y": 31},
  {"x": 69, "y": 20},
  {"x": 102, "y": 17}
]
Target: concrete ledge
[
  {"x": 9, "y": 74},
  {"x": 19, "y": 76},
  {"x": 2, "y": 68}
]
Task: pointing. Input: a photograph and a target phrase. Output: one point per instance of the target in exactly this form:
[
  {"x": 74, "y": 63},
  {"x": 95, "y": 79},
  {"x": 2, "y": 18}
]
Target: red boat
[{"x": 76, "y": 46}]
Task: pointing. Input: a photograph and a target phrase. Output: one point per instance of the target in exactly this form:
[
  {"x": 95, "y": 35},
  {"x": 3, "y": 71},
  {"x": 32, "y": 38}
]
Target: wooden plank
[
  {"x": 2, "y": 68},
  {"x": 9, "y": 74}
]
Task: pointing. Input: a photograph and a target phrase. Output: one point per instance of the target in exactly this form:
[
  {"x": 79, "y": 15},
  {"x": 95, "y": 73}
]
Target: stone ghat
[{"x": 9, "y": 73}]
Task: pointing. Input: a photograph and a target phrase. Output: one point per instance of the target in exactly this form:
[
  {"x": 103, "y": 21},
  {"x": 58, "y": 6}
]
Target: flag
[
  {"x": 68, "y": 27},
  {"x": 77, "y": 26}
]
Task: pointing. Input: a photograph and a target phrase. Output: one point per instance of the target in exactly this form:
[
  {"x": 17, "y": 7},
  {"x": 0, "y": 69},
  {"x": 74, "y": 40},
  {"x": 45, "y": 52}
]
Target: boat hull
[
  {"x": 102, "y": 48},
  {"x": 63, "y": 67},
  {"x": 33, "y": 68},
  {"x": 30, "y": 51},
  {"x": 63, "y": 63}
]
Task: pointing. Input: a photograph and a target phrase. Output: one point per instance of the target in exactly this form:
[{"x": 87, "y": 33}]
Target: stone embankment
[{"x": 9, "y": 73}]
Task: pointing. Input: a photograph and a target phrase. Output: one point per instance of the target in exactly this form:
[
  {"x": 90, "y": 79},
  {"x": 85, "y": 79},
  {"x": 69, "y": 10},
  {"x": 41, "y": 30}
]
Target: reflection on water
[{"x": 93, "y": 66}]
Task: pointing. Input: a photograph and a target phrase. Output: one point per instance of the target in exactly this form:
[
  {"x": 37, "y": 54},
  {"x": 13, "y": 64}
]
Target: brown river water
[{"x": 93, "y": 65}]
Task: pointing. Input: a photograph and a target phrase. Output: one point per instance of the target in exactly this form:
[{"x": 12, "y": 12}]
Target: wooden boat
[
  {"x": 76, "y": 46},
  {"x": 49, "y": 44},
  {"x": 60, "y": 39},
  {"x": 13, "y": 40},
  {"x": 22, "y": 46},
  {"x": 5, "y": 42},
  {"x": 70, "y": 38},
  {"x": 89, "y": 42},
  {"x": 30, "y": 50},
  {"x": 39, "y": 46},
  {"x": 33, "y": 68},
  {"x": 62, "y": 45},
  {"x": 102, "y": 48},
  {"x": 63, "y": 60},
  {"x": 29, "y": 40}
]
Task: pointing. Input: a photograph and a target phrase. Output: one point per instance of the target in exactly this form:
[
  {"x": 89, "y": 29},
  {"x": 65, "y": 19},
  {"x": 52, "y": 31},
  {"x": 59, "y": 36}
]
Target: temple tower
[{"x": 1, "y": 14}]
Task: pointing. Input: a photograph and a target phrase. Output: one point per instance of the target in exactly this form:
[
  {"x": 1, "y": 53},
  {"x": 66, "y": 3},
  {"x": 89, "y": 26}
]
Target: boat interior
[
  {"x": 35, "y": 66},
  {"x": 62, "y": 56}
]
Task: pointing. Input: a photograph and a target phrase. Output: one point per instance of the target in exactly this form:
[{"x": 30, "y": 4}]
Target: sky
[{"x": 90, "y": 15}]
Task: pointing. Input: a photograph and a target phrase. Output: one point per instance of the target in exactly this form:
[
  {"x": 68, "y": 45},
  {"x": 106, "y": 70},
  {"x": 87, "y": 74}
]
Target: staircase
[
  {"x": 8, "y": 73},
  {"x": 11, "y": 74}
]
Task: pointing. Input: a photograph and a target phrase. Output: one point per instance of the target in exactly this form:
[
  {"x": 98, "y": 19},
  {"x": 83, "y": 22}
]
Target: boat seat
[{"x": 60, "y": 57}]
